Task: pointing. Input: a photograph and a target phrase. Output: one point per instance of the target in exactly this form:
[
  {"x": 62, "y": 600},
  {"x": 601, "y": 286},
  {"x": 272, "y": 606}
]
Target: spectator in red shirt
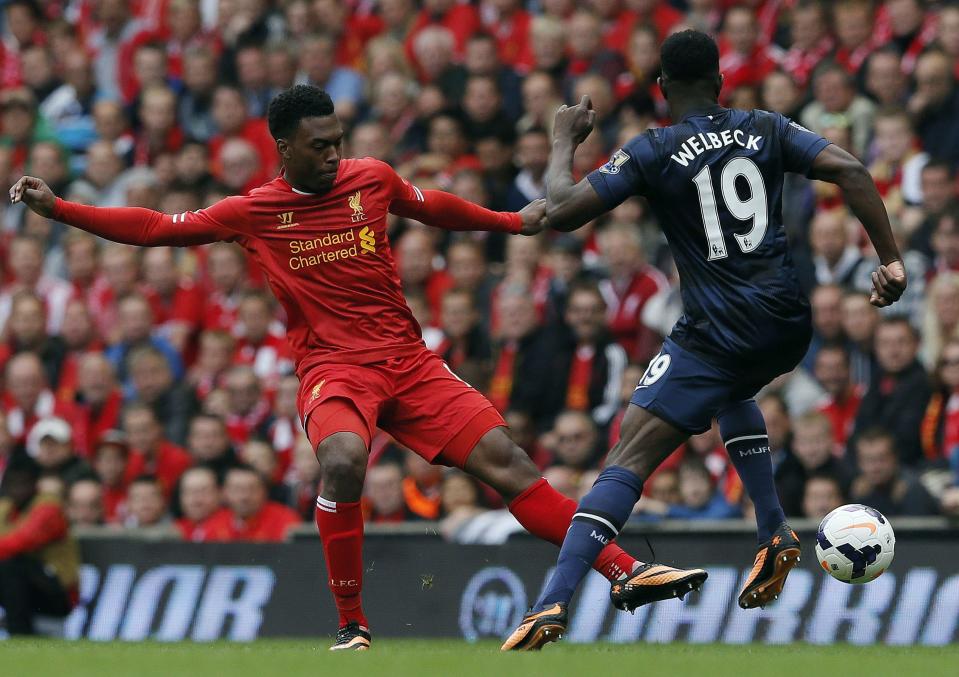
[
  {"x": 842, "y": 396},
  {"x": 251, "y": 516},
  {"x": 39, "y": 562},
  {"x": 518, "y": 335},
  {"x": 85, "y": 503},
  {"x": 632, "y": 282},
  {"x": 511, "y": 27},
  {"x": 98, "y": 401},
  {"x": 28, "y": 399},
  {"x": 465, "y": 346},
  {"x": 854, "y": 23},
  {"x": 111, "y": 458},
  {"x": 215, "y": 355},
  {"x": 249, "y": 409},
  {"x": 743, "y": 59},
  {"x": 460, "y": 19},
  {"x": 176, "y": 301},
  {"x": 6, "y": 443},
  {"x": 159, "y": 132},
  {"x": 204, "y": 519},
  {"x": 811, "y": 42},
  {"x": 226, "y": 267},
  {"x": 233, "y": 122},
  {"x": 79, "y": 337},
  {"x": 351, "y": 29},
  {"x": 383, "y": 500},
  {"x": 263, "y": 345},
  {"x": 588, "y": 52},
  {"x": 25, "y": 262},
  {"x": 152, "y": 454}
]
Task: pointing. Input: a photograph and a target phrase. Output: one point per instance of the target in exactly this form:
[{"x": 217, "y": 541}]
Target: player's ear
[
  {"x": 719, "y": 84},
  {"x": 662, "y": 86},
  {"x": 283, "y": 148}
]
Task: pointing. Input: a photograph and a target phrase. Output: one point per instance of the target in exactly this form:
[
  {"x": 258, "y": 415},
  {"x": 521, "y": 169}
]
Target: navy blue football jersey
[{"x": 715, "y": 181}]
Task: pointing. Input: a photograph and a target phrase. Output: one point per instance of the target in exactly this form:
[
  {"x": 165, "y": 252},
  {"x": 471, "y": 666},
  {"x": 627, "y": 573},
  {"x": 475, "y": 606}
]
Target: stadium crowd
[{"x": 154, "y": 387}]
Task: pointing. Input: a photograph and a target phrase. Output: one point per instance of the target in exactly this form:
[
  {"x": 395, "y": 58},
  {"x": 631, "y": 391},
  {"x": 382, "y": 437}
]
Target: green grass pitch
[{"x": 426, "y": 658}]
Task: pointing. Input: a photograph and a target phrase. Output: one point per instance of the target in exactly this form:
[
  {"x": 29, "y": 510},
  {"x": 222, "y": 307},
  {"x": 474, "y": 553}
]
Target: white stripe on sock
[
  {"x": 597, "y": 518},
  {"x": 322, "y": 501},
  {"x": 745, "y": 437}
]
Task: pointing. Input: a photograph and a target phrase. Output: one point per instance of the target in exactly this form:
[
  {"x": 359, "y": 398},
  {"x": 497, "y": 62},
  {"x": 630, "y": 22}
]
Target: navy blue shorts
[{"x": 688, "y": 391}]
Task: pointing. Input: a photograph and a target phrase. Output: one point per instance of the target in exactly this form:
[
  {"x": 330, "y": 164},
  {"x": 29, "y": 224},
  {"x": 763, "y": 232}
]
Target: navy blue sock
[
  {"x": 744, "y": 433},
  {"x": 598, "y": 519}
]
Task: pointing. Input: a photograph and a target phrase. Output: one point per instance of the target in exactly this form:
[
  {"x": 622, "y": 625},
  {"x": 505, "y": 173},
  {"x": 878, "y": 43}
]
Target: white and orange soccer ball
[{"x": 855, "y": 544}]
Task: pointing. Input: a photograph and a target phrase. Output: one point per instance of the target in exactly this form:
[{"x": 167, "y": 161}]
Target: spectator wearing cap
[
  {"x": 146, "y": 505},
  {"x": 51, "y": 443},
  {"x": 111, "y": 461},
  {"x": 98, "y": 401},
  {"x": 204, "y": 518},
  {"x": 39, "y": 562},
  {"x": 85, "y": 503},
  {"x": 152, "y": 452},
  {"x": 251, "y": 515},
  {"x": 28, "y": 398},
  {"x": 898, "y": 391}
]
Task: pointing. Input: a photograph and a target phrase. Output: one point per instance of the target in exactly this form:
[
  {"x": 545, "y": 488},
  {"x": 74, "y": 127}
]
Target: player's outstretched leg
[
  {"x": 744, "y": 433},
  {"x": 343, "y": 457},
  {"x": 543, "y": 511}
]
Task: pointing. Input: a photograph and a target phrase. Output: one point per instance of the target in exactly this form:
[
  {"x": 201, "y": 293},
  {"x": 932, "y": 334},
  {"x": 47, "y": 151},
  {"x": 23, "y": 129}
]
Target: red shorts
[{"x": 415, "y": 398}]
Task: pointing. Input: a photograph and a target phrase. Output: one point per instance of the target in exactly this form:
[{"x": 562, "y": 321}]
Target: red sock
[
  {"x": 546, "y": 513},
  {"x": 341, "y": 530}
]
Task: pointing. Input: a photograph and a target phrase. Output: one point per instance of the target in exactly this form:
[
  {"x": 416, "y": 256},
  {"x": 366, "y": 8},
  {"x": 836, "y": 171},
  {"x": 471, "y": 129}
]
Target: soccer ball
[{"x": 855, "y": 543}]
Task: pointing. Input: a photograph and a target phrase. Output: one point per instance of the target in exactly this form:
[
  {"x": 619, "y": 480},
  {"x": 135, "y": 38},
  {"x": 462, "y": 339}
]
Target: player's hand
[
  {"x": 574, "y": 123},
  {"x": 534, "y": 217},
  {"x": 35, "y": 193},
  {"x": 888, "y": 284}
]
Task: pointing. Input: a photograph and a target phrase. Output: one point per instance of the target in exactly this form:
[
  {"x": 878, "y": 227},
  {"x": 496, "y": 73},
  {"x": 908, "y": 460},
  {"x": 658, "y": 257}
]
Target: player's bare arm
[
  {"x": 569, "y": 205},
  {"x": 126, "y": 225},
  {"x": 837, "y": 166}
]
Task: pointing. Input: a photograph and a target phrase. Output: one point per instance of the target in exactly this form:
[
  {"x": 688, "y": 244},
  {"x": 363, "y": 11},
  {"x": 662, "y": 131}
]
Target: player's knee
[
  {"x": 502, "y": 464},
  {"x": 343, "y": 458}
]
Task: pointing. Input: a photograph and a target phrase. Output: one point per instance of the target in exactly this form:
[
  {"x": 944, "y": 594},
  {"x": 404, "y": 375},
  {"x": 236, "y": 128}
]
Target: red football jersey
[{"x": 326, "y": 257}]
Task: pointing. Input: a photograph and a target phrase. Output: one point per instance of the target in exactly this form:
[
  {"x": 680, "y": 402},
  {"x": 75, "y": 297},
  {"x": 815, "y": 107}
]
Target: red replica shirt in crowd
[
  {"x": 216, "y": 527},
  {"x": 270, "y": 524},
  {"x": 171, "y": 461},
  {"x": 326, "y": 257}
]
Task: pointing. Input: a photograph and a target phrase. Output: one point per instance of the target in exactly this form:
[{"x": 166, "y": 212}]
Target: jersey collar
[{"x": 714, "y": 109}]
